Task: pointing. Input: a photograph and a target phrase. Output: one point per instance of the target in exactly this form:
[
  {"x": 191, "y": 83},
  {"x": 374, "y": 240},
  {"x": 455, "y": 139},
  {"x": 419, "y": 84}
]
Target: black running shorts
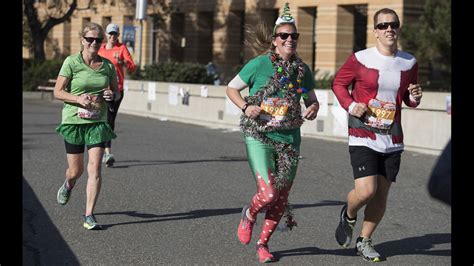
[
  {"x": 77, "y": 149},
  {"x": 367, "y": 162}
]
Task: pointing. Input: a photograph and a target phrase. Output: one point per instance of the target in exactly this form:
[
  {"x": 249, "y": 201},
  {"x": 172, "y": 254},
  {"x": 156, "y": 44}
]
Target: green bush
[
  {"x": 324, "y": 82},
  {"x": 37, "y": 73},
  {"x": 174, "y": 72}
]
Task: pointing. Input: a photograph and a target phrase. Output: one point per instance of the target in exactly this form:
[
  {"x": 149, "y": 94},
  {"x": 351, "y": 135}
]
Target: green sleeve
[
  {"x": 249, "y": 71},
  {"x": 66, "y": 69}
]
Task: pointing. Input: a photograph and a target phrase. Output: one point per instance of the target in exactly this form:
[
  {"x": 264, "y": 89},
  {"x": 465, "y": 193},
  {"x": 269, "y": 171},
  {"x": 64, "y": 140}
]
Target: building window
[
  {"x": 205, "y": 37},
  {"x": 106, "y": 21},
  {"x": 360, "y": 28},
  {"x": 178, "y": 40},
  {"x": 307, "y": 29},
  {"x": 85, "y": 20},
  {"x": 269, "y": 16}
]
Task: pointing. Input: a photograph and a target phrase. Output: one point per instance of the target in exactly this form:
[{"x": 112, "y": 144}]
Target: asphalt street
[{"x": 176, "y": 192}]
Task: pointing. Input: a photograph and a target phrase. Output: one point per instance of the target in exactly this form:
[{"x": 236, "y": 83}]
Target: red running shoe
[
  {"x": 244, "y": 232},
  {"x": 263, "y": 254}
]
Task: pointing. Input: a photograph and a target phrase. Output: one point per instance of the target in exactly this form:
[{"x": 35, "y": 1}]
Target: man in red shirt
[
  {"x": 382, "y": 78},
  {"x": 119, "y": 55}
]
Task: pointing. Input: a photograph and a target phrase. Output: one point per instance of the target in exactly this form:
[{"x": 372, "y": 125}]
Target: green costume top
[
  {"x": 256, "y": 73},
  {"x": 84, "y": 79}
]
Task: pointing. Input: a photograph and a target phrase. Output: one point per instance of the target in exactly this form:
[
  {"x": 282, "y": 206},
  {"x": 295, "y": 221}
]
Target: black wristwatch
[{"x": 245, "y": 107}]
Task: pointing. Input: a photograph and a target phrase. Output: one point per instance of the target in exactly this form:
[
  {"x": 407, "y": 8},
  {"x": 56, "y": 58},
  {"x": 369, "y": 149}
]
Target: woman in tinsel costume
[{"x": 271, "y": 121}]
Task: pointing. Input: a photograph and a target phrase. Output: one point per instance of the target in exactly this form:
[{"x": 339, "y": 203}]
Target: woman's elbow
[
  {"x": 228, "y": 90},
  {"x": 56, "y": 94}
]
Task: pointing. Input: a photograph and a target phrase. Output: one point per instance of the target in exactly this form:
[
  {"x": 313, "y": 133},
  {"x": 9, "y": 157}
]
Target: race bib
[
  {"x": 273, "y": 111},
  {"x": 88, "y": 113},
  {"x": 93, "y": 112},
  {"x": 380, "y": 114}
]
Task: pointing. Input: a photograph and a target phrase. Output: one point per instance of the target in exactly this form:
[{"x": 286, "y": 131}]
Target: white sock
[{"x": 248, "y": 216}]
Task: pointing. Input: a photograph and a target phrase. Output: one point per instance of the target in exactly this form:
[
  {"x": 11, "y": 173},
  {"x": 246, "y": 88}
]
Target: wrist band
[{"x": 245, "y": 107}]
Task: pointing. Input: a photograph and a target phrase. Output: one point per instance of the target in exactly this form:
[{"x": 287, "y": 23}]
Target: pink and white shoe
[
  {"x": 244, "y": 232},
  {"x": 263, "y": 254}
]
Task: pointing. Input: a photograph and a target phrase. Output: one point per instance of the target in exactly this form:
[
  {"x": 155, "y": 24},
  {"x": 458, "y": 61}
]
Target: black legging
[{"x": 112, "y": 115}]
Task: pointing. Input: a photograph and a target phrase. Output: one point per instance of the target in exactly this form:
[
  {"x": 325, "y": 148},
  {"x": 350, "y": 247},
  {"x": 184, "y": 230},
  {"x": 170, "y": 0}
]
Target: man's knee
[{"x": 366, "y": 194}]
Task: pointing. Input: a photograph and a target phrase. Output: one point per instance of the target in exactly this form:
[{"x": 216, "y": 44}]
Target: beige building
[{"x": 201, "y": 31}]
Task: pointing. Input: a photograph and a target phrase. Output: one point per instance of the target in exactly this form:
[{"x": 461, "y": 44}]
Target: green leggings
[
  {"x": 262, "y": 159},
  {"x": 268, "y": 199}
]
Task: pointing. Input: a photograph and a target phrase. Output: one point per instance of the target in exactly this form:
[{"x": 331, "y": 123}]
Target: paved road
[{"x": 176, "y": 192}]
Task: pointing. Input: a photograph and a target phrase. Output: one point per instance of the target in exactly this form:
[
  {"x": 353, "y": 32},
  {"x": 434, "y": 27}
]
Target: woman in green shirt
[
  {"x": 84, "y": 82},
  {"x": 271, "y": 122}
]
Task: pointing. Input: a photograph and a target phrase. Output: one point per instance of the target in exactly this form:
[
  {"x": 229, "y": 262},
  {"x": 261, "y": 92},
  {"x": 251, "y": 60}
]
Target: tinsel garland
[{"x": 287, "y": 155}]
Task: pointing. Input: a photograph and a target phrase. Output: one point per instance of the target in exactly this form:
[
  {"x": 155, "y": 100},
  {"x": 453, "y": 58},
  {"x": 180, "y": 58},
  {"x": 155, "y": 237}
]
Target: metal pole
[
  {"x": 140, "y": 45},
  {"x": 140, "y": 14}
]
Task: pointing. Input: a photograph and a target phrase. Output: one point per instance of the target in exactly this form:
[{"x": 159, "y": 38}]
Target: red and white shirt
[{"x": 376, "y": 76}]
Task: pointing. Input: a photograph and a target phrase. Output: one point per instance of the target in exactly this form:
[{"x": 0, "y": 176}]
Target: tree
[
  {"x": 36, "y": 27},
  {"x": 430, "y": 41},
  {"x": 56, "y": 12}
]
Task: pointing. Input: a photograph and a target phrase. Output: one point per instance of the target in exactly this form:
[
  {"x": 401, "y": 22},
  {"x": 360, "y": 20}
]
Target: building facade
[{"x": 201, "y": 31}]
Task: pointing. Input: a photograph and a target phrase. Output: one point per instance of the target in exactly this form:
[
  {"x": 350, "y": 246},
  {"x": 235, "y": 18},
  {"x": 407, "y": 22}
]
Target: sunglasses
[
  {"x": 383, "y": 26},
  {"x": 284, "y": 35},
  {"x": 113, "y": 33},
  {"x": 92, "y": 39}
]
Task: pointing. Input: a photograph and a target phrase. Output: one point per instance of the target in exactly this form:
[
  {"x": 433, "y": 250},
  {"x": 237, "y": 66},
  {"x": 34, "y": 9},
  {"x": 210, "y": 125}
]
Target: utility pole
[{"x": 140, "y": 14}]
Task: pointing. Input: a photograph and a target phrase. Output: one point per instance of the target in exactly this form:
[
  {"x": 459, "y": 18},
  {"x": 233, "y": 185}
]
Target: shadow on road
[
  {"x": 419, "y": 245},
  {"x": 42, "y": 242},
  {"x": 195, "y": 214},
  {"x": 319, "y": 204},
  {"x": 151, "y": 218},
  {"x": 133, "y": 163},
  {"x": 313, "y": 251}
]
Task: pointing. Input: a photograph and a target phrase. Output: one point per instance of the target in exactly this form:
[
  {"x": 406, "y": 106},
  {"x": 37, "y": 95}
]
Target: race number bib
[
  {"x": 88, "y": 113},
  {"x": 93, "y": 112},
  {"x": 273, "y": 111},
  {"x": 380, "y": 114}
]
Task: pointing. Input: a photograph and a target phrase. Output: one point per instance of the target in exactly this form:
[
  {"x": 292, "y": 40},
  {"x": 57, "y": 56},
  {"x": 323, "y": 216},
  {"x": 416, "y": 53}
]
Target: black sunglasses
[
  {"x": 284, "y": 35},
  {"x": 92, "y": 39},
  {"x": 113, "y": 33},
  {"x": 383, "y": 26}
]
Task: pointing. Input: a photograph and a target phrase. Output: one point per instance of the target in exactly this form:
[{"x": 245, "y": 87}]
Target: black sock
[{"x": 359, "y": 239}]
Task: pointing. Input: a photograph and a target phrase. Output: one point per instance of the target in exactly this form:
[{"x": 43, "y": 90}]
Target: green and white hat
[{"x": 285, "y": 17}]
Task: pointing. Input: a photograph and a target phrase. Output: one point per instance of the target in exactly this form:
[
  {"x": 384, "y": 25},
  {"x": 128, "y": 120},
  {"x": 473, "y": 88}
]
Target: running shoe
[
  {"x": 108, "y": 159},
  {"x": 365, "y": 249},
  {"x": 63, "y": 194},
  {"x": 344, "y": 229},
  {"x": 263, "y": 254},
  {"x": 244, "y": 232},
  {"x": 90, "y": 222}
]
